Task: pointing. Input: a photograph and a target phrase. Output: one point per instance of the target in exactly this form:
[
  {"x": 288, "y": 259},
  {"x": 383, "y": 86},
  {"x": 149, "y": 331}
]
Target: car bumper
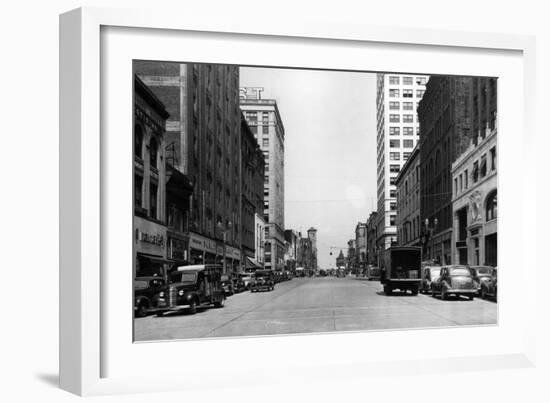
[{"x": 462, "y": 292}]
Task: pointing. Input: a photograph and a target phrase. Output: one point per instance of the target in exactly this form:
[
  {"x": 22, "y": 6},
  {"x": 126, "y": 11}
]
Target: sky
[{"x": 330, "y": 150}]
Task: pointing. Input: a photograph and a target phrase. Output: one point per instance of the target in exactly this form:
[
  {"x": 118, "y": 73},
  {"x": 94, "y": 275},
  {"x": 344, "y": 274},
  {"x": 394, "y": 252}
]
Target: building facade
[
  {"x": 408, "y": 201},
  {"x": 262, "y": 115},
  {"x": 397, "y": 101},
  {"x": 203, "y": 136},
  {"x": 260, "y": 238},
  {"x": 474, "y": 181},
  {"x": 445, "y": 132},
  {"x": 361, "y": 244},
  {"x": 252, "y": 187},
  {"x": 372, "y": 233},
  {"x": 304, "y": 254},
  {"x": 291, "y": 249},
  {"x": 150, "y": 233},
  {"x": 312, "y": 236}
]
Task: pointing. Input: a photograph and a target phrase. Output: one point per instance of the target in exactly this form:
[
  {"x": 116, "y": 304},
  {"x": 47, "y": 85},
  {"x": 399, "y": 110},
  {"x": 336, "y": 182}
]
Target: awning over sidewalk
[
  {"x": 253, "y": 264},
  {"x": 156, "y": 259}
]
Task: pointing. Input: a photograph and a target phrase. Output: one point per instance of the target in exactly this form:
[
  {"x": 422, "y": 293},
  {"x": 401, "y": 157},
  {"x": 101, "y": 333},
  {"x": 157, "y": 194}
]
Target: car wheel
[
  {"x": 220, "y": 303},
  {"x": 470, "y": 297},
  {"x": 483, "y": 293},
  {"x": 141, "y": 311},
  {"x": 193, "y": 307},
  {"x": 159, "y": 313},
  {"x": 433, "y": 292},
  {"x": 443, "y": 295}
]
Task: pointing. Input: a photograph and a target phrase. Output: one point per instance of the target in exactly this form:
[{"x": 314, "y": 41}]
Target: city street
[{"x": 320, "y": 304}]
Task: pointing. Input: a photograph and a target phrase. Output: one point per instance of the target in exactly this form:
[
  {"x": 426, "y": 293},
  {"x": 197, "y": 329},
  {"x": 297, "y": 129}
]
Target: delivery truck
[{"x": 401, "y": 269}]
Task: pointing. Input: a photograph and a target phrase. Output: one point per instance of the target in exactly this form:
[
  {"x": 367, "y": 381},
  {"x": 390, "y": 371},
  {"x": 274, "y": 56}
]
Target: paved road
[{"x": 321, "y": 304}]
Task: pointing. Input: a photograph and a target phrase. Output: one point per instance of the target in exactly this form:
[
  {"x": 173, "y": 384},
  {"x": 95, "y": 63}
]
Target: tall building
[
  {"x": 474, "y": 182},
  {"x": 408, "y": 201},
  {"x": 203, "y": 136},
  {"x": 264, "y": 119},
  {"x": 312, "y": 236},
  {"x": 445, "y": 133},
  {"x": 149, "y": 183},
  {"x": 372, "y": 231},
  {"x": 397, "y": 100},
  {"x": 252, "y": 197}
]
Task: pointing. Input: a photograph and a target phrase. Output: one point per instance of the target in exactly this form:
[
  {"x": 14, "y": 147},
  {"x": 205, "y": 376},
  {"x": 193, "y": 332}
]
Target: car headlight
[
  {"x": 161, "y": 294},
  {"x": 180, "y": 293}
]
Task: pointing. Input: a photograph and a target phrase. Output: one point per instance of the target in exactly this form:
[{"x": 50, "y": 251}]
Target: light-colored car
[
  {"x": 454, "y": 280},
  {"x": 429, "y": 275},
  {"x": 246, "y": 278}
]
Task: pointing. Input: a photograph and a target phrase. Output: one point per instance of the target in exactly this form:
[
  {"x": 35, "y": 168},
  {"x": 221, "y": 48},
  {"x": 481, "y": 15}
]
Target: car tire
[
  {"x": 141, "y": 311},
  {"x": 220, "y": 303},
  {"x": 443, "y": 295},
  {"x": 193, "y": 307},
  {"x": 471, "y": 297},
  {"x": 483, "y": 293},
  {"x": 160, "y": 314},
  {"x": 414, "y": 291}
]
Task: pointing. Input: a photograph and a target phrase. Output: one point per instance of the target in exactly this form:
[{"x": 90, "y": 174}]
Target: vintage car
[
  {"x": 341, "y": 273},
  {"x": 429, "y": 275},
  {"x": 372, "y": 273},
  {"x": 227, "y": 285},
  {"x": 262, "y": 280},
  {"x": 192, "y": 287},
  {"x": 489, "y": 287},
  {"x": 481, "y": 274},
  {"x": 145, "y": 290},
  {"x": 238, "y": 283},
  {"x": 456, "y": 280},
  {"x": 246, "y": 278}
]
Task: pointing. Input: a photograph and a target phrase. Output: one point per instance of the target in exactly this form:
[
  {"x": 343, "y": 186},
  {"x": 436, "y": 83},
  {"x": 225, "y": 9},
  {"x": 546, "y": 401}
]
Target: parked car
[
  {"x": 373, "y": 273},
  {"x": 227, "y": 285},
  {"x": 192, "y": 287},
  {"x": 238, "y": 283},
  {"x": 246, "y": 278},
  {"x": 262, "y": 280},
  {"x": 145, "y": 290},
  {"x": 480, "y": 274},
  {"x": 429, "y": 275},
  {"x": 489, "y": 287},
  {"x": 456, "y": 280}
]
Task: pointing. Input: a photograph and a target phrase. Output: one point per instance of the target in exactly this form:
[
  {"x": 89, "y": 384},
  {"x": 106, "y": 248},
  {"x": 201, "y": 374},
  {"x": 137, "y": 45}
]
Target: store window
[
  {"x": 491, "y": 206},
  {"x": 138, "y": 141},
  {"x": 153, "y": 152}
]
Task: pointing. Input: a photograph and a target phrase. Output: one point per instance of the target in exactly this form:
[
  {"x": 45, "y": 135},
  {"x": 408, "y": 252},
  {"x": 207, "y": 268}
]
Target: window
[
  {"x": 394, "y": 118},
  {"x": 138, "y": 189},
  {"x": 153, "y": 150},
  {"x": 153, "y": 200},
  {"x": 393, "y": 193},
  {"x": 394, "y": 131},
  {"x": 419, "y": 93},
  {"x": 265, "y": 129},
  {"x": 265, "y": 118},
  {"x": 466, "y": 179},
  {"x": 392, "y": 180},
  {"x": 407, "y": 93},
  {"x": 394, "y": 93},
  {"x": 493, "y": 158},
  {"x": 407, "y": 81},
  {"x": 456, "y": 186},
  {"x": 408, "y": 118},
  {"x": 475, "y": 172},
  {"x": 421, "y": 80},
  {"x": 460, "y": 182},
  {"x": 408, "y": 131},
  {"x": 483, "y": 166},
  {"x": 138, "y": 141},
  {"x": 252, "y": 117},
  {"x": 394, "y": 80},
  {"x": 491, "y": 206},
  {"x": 408, "y": 106},
  {"x": 393, "y": 206},
  {"x": 394, "y": 156},
  {"x": 394, "y": 168},
  {"x": 265, "y": 143},
  {"x": 408, "y": 143},
  {"x": 394, "y": 105},
  {"x": 406, "y": 155},
  {"x": 395, "y": 143},
  {"x": 392, "y": 219}
]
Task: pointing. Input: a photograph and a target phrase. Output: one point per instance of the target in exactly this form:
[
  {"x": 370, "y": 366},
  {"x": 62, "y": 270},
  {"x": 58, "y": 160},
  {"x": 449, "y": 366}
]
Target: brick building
[
  {"x": 444, "y": 115},
  {"x": 408, "y": 201}
]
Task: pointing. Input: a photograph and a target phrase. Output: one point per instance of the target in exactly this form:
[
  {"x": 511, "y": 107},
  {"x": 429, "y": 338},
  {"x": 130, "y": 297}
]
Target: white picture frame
[{"x": 86, "y": 343}]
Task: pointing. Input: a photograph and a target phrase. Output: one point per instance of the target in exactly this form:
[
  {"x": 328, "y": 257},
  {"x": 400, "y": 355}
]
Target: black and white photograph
[{"x": 276, "y": 201}]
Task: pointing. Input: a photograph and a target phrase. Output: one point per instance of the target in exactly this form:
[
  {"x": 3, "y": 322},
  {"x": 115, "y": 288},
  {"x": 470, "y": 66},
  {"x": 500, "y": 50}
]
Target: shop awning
[
  {"x": 155, "y": 258},
  {"x": 253, "y": 264}
]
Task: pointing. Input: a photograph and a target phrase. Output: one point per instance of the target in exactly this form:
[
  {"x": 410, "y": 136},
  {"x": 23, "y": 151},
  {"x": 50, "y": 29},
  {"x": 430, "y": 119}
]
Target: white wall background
[{"x": 29, "y": 202}]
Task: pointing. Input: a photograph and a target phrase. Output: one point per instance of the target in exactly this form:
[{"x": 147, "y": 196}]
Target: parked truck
[{"x": 401, "y": 269}]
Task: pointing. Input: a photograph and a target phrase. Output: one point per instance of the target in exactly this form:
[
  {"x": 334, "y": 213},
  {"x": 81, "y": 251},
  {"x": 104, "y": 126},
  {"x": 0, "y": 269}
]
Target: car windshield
[
  {"x": 183, "y": 277},
  {"x": 435, "y": 272},
  {"x": 460, "y": 271},
  {"x": 261, "y": 274},
  {"x": 483, "y": 271}
]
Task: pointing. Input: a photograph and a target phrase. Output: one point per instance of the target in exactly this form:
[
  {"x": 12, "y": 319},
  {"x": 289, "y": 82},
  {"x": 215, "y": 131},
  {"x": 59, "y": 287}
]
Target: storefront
[
  {"x": 178, "y": 249},
  {"x": 149, "y": 248},
  {"x": 202, "y": 250}
]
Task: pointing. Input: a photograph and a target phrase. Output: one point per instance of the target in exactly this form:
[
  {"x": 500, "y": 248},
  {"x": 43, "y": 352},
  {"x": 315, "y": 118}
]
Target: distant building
[
  {"x": 397, "y": 99},
  {"x": 361, "y": 244},
  {"x": 312, "y": 236},
  {"x": 408, "y": 201},
  {"x": 304, "y": 255},
  {"x": 150, "y": 233},
  {"x": 262, "y": 115},
  {"x": 352, "y": 255},
  {"x": 445, "y": 130},
  {"x": 252, "y": 198},
  {"x": 291, "y": 249},
  {"x": 341, "y": 260},
  {"x": 259, "y": 225},
  {"x": 372, "y": 233},
  {"x": 474, "y": 182}
]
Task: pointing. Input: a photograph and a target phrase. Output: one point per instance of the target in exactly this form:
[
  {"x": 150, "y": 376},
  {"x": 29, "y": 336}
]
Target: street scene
[{"x": 275, "y": 201}]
